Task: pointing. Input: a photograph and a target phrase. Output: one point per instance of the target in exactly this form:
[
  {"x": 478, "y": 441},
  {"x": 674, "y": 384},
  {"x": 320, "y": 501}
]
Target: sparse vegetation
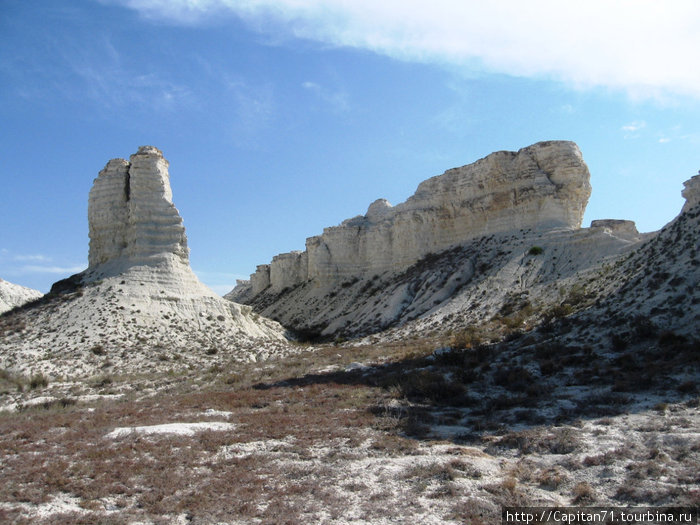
[
  {"x": 582, "y": 389},
  {"x": 38, "y": 381}
]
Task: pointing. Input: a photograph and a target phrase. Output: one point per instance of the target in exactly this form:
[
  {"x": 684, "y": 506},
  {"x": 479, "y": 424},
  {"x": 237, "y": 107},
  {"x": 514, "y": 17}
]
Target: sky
[{"x": 280, "y": 118}]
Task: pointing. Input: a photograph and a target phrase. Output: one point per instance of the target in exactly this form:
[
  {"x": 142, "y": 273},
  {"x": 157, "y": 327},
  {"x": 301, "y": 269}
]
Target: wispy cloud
[
  {"x": 567, "y": 109},
  {"x": 50, "y": 269},
  {"x": 37, "y": 258},
  {"x": 254, "y": 111},
  {"x": 337, "y": 100},
  {"x": 634, "y": 126},
  {"x": 16, "y": 264},
  {"x": 96, "y": 74},
  {"x": 641, "y": 46},
  {"x": 100, "y": 75}
]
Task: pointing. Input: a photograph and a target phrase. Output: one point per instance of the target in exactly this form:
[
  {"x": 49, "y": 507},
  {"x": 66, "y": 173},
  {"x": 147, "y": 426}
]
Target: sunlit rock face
[
  {"x": 137, "y": 240},
  {"x": 130, "y": 211},
  {"x": 541, "y": 187}
]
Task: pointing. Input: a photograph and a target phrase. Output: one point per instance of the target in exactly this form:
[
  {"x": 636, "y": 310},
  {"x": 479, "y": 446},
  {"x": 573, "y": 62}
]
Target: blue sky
[{"x": 282, "y": 117}]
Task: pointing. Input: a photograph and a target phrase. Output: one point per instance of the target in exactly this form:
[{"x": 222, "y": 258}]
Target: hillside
[{"x": 12, "y": 295}]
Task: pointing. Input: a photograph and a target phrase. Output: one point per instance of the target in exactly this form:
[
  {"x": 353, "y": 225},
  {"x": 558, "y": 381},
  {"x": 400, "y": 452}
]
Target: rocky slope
[
  {"x": 139, "y": 298},
  {"x": 471, "y": 245},
  {"x": 12, "y": 295},
  {"x": 650, "y": 287}
]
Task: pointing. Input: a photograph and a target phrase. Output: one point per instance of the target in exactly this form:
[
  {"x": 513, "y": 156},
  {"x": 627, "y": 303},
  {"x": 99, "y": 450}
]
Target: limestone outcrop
[
  {"x": 131, "y": 214},
  {"x": 139, "y": 294},
  {"x": 620, "y": 228},
  {"x": 535, "y": 264},
  {"x": 541, "y": 187}
]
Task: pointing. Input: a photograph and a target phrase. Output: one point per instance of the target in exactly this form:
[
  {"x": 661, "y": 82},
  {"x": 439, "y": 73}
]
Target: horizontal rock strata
[
  {"x": 130, "y": 211},
  {"x": 543, "y": 186}
]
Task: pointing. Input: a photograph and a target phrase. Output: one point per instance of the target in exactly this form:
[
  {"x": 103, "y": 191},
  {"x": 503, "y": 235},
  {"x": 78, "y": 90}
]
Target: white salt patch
[
  {"x": 240, "y": 450},
  {"x": 57, "y": 505},
  {"x": 355, "y": 366},
  {"x": 39, "y": 400},
  {"x": 181, "y": 429},
  {"x": 220, "y": 413},
  {"x": 95, "y": 397}
]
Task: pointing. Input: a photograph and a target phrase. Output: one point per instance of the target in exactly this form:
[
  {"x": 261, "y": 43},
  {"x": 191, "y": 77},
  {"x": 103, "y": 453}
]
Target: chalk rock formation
[
  {"x": 139, "y": 293},
  {"x": 543, "y": 186},
  {"x": 130, "y": 211},
  {"x": 12, "y": 295},
  {"x": 691, "y": 192},
  {"x": 492, "y": 278},
  {"x": 620, "y": 228},
  {"x": 137, "y": 235}
]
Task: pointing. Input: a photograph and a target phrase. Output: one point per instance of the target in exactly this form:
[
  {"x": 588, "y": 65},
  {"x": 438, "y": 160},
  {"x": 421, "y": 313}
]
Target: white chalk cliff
[
  {"x": 455, "y": 252},
  {"x": 131, "y": 212},
  {"x": 541, "y": 187},
  {"x": 139, "y": 293}
]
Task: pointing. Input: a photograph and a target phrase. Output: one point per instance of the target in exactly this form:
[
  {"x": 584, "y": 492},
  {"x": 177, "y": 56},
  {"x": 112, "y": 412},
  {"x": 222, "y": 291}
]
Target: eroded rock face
[
  {"x": 691, "y": 192},
  {"x": 130, "y": 211},
  {"x": 543, "y": 186},
  {"x": 621, "y": 228}
]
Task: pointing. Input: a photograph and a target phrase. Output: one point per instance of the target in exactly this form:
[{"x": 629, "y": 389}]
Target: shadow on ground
[{"x": 463, "y": 395}]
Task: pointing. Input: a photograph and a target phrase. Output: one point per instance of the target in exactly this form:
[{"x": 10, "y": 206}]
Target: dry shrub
[
  {"x": 551, "y": 478},
  {"x": 583, "y": 493},
  {"x": 540, "y": 441},
  {"x": 507, "y": 492}
]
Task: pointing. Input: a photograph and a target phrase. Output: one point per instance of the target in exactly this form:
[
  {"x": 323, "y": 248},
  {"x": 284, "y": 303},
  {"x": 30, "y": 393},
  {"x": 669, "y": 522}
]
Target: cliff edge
[{"x": 540, "y": 187}]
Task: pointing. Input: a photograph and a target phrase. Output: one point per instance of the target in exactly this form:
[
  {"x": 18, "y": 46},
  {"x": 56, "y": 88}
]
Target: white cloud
[
  {"x": 567, "y": 109},
  {"x": 645, "y": 47},
  {"x": 50, "y": 269},
  {"x": 634, "y": 126},
  {"x": 24, "y": 264},
  {"x": 37, "y": 258}
]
